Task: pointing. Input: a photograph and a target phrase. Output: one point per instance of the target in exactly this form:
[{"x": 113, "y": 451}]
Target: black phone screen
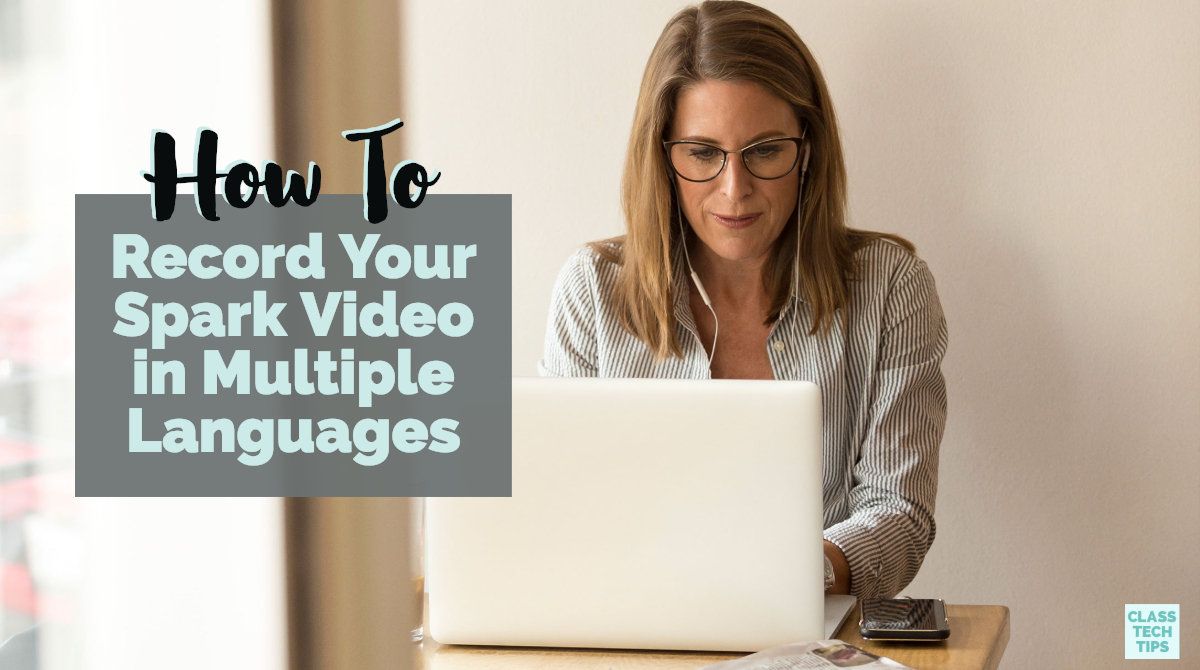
[{"x": 910, "y": 618}]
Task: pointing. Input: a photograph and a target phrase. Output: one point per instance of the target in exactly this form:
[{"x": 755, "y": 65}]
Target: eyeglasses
[{"x": 766, "y": 159}]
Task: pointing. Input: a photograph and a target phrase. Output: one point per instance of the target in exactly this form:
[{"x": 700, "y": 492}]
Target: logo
[{"x": 1152, "y": 631}]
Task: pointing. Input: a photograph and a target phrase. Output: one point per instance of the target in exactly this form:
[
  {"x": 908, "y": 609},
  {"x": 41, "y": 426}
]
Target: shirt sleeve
[
  {"x": 570, "y": 347},
  {"x": 891, "y": 526}
]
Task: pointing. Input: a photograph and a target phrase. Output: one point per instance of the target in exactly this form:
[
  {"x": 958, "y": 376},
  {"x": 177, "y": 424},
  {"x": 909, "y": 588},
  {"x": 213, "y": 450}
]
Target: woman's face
[{"x": 737, "y": 215}]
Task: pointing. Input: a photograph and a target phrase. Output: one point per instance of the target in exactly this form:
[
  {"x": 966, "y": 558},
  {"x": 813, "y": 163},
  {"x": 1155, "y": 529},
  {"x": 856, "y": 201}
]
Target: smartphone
[{"x": 904, "y": 619}]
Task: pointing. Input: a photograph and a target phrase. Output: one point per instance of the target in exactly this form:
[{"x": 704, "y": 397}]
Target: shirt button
[{"x": 778, "y": 345}]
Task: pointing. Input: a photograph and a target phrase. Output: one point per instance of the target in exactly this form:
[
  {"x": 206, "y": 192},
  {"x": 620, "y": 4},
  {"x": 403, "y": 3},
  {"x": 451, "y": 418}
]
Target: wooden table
[{"x": 978, "y": 636}]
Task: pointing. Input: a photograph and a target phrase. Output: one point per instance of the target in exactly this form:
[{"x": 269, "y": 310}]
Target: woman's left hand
[{"x": 841, "y": 569}]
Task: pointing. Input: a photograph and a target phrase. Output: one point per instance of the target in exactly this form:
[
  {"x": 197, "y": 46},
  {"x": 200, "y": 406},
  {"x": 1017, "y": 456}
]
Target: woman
[{"x": 737, "y": 263}]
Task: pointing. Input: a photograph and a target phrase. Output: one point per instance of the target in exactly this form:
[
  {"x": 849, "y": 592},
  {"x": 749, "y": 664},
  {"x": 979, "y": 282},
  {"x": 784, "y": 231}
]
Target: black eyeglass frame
[{"x": 741, "y": 152}]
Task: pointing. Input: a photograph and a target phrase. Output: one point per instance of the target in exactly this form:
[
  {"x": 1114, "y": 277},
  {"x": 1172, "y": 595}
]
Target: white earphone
[{"x": 696, "y": 278}]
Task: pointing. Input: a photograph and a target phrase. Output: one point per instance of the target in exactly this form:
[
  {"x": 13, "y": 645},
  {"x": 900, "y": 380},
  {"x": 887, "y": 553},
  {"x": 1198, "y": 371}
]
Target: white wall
[{"x": 1045, "y": 158}]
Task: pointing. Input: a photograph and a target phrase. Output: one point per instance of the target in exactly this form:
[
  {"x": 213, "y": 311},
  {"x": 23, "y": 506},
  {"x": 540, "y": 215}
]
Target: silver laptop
[{"x": 645, "y": 514}]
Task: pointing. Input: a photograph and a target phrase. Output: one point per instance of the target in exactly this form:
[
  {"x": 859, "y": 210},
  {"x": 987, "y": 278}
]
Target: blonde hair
[{"x": 731, "y": 40}]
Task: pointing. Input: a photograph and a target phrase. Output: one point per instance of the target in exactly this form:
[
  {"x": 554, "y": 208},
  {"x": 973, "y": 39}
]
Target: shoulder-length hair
[{"x": 731, "y": 40}]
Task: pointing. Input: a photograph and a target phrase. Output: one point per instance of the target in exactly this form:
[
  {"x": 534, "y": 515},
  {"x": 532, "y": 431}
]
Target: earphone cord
[
  {"x": 799, "y": 217},
  {"x": 699, "y": 286}
]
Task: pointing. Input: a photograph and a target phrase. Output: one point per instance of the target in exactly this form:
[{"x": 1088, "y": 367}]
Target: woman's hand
[{"x": 841, "y": 569}]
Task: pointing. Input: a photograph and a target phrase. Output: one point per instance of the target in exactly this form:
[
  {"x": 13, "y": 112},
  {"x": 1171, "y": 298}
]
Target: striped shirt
[{"x": 882, "y": 391}]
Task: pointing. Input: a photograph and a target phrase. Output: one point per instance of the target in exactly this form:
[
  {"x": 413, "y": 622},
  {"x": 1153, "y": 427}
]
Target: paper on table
[{"x": 824, "y": 654}]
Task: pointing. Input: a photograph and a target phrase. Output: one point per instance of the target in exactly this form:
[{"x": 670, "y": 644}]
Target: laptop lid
[{"x": 656, "y": 514}]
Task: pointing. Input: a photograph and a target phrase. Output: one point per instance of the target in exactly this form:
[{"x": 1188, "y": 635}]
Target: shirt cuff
[{"x": 862, "y": 555}]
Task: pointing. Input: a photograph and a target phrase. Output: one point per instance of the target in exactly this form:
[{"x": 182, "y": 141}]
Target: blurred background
[
  {"x": 1045, "y": 158},
  {"x": 179, "y": 583}
]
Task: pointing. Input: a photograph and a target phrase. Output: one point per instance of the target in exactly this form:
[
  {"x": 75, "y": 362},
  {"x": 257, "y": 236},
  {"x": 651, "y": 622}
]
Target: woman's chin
[{"x": 736, "y": 251}]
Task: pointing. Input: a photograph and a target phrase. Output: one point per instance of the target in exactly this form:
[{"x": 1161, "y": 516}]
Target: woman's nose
[{"x": 736, "y": 180}]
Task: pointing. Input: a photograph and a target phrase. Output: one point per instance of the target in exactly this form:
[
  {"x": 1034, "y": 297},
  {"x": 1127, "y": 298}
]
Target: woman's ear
[{"x": 807, "y": 149}]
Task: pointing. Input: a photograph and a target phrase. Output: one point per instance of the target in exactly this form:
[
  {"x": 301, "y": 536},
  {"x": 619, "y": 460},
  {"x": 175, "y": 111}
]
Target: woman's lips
[{"x": 736, "y": 222}]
